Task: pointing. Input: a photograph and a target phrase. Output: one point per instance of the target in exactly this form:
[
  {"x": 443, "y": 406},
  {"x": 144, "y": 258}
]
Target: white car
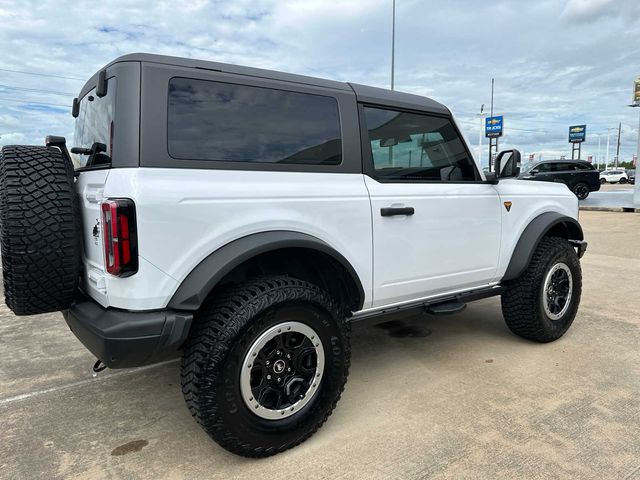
[
  {"x": 244, "y": 218},
  {"x": 614, "y": 176}
]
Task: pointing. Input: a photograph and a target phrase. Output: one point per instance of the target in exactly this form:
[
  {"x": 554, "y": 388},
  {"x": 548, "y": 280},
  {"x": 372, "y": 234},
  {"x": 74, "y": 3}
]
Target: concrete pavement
[
  {"x": 432, "y": 397},
  {"x": 610, "y": 196}
]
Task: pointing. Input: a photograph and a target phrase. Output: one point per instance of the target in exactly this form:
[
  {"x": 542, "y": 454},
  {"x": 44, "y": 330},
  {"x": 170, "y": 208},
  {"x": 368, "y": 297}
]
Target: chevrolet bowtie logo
[{"x": 507, "y": 205}]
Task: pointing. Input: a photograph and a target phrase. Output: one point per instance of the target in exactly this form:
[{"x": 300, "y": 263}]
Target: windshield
[{"x": 95, "y": 124}]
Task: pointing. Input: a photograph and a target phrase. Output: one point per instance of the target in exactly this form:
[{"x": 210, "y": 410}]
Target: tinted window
[
  {"x": 409, "y": 146},
  {"x": 95, "y": 124},
  {"x": 238, "y": 123},
  {"x": 585, "y": 166},
  {"x": 562, "y": 167},
  {"x": 543, "y": 168}
]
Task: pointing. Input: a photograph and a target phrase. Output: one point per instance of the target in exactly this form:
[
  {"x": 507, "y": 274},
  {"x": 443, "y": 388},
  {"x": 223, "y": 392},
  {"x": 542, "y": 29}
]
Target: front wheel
[
  {"x": 602, "y": 181},
  {"x": 581, "y": 190},
  {"x": 265, "y": 365},
  {"x": 541, "y": 304}
]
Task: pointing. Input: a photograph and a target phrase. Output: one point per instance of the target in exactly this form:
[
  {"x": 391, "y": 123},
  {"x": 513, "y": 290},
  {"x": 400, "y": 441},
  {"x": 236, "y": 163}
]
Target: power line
[
  {"x": 17, "y": 100},
  {"x": 40, "y": 74},
  {"x": 36, "y": 90}
]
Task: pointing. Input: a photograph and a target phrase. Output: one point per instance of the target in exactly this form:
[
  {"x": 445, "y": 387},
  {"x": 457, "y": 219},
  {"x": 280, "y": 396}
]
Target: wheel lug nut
[
  {"x": 289, "y": 369},
  {"x": 268, "y": 362},
  {"x": 268, "y": 377}
]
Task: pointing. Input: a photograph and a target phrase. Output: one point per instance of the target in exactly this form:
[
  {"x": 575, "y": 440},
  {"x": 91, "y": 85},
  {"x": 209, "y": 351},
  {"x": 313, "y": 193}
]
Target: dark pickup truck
[{"x": 580, "y": 176}]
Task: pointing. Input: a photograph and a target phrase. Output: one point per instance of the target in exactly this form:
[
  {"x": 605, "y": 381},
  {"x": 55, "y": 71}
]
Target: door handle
[{"x": 391, "y": 211}]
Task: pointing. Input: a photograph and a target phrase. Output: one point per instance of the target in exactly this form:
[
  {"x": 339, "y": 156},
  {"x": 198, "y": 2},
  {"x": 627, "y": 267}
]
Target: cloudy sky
[{"x": 555, "y": 62}]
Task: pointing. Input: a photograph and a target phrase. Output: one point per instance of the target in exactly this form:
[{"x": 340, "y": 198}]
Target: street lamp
[
  {"x": 481, "y": 114},
  {"x": 606, "y": 165}
]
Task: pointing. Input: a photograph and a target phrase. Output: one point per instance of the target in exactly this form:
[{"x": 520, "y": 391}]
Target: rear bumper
[{"x": 120, "y": 338}]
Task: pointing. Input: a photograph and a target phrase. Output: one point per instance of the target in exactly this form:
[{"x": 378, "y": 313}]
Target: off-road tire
[
  {"x": 522, "y": 301},
  {"x": 581, "y": 190},
  {"x": 224, "y": 329},
  {"x": 39, "y": 229}
]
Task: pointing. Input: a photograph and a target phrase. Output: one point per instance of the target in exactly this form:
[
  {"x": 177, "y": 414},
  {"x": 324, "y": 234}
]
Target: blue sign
[
  {"x": 577, "y": 133},
  {"x": 493, "y": 126}
]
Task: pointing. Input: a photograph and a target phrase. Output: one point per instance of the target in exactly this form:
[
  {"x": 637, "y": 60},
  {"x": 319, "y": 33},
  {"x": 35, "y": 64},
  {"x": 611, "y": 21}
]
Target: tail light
[{"x": 120, "y": 237}]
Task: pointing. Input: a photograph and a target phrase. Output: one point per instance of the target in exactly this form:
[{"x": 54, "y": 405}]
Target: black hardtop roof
[{"x": 364, "y": 93}]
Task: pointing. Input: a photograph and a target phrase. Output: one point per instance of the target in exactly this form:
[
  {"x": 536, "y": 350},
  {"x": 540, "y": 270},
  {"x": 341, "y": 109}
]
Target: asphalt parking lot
[{"x": 432, "y": 397}]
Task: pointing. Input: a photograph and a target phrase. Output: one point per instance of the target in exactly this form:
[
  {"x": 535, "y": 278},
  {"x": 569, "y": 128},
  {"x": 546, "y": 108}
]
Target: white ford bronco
[{"x": 244, "y": 218}]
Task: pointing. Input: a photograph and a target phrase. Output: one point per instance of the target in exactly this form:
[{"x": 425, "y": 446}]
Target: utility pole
[
  {"x": 598, "y": 157},
  {"x": 618, "y": 148}
]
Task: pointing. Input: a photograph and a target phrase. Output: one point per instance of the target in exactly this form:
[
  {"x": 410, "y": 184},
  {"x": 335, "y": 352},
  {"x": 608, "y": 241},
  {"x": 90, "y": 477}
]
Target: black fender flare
[
  {"x": 534, "y": 232},
  {"x": 197, "y": 285}
]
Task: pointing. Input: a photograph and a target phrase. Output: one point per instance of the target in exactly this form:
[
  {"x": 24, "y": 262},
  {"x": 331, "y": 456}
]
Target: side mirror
[
  {"x": 508, "y": 167},
  {"x": 491, "y": 177}
]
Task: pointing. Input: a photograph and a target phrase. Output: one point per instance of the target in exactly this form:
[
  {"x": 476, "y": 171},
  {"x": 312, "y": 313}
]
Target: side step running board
[{"x": 446, "y": 308}]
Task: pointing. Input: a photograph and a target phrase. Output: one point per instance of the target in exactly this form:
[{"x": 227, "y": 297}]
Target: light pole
[
  {"x": 606, "y": 165},
  {"x": 481, "y": 114},
  {"x": 393, "y": 41},
  {"x": 598, "y": 157}
]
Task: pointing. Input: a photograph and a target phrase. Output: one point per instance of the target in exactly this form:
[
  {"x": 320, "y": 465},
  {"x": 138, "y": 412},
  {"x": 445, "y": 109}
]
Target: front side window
[
  {"x": 417, "y": 147},
  {"x": 218, "y": 121}
]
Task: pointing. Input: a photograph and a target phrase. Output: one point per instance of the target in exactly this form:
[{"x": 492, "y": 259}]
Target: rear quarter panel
[{"x": 184, "y": 215}]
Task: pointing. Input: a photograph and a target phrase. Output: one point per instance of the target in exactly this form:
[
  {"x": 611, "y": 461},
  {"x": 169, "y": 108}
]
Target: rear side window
[
  {"x": 239, "y": 123},
  {"x": 95, "y": 125},
  {"x": 585, "y": 166},
  {"x": 416, "y": 147},
  {"x": 563, "y": 167}
]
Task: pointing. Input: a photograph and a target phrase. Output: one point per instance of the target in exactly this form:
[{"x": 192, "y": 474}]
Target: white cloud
[{"x": 555, "y": 63}]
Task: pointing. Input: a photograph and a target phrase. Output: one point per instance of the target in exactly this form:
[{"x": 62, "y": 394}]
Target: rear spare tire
[{"x": 39, "y": 229}]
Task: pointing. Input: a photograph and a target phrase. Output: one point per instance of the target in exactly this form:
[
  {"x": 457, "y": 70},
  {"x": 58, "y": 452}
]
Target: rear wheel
[
  {"x": 39, "y": 229},
  {"x": 541, "y": 304},
  {"x": 581, "y": 190},
  {"x": 265, "y": 365},
  {"x": 623, "y": 180}
]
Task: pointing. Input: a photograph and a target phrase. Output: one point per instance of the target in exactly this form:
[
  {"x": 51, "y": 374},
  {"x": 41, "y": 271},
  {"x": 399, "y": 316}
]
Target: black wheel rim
[
  {"x": 282, "y": 370},
  {"x": 582, "y": 191}
]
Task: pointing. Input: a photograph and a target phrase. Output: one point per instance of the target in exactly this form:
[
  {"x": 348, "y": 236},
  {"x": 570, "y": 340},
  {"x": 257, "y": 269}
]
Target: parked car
[
  {"x": 631, "y": 174},
  {"x": 580, "y": 176},
  {"x": 244, "y": 218},
  {"x": 616, "y": 175}
]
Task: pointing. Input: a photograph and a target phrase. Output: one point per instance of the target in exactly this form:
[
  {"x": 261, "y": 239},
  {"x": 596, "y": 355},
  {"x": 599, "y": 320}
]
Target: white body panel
[
  {"x": 460, "y": 238},
  {"x": 451, "y": 242},
  {"x": 529, "y": 200},
  {"x": 185, "y": 215}
]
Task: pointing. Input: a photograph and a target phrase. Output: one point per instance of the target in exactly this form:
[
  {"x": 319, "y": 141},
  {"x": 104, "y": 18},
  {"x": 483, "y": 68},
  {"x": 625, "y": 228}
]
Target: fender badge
[{"x": 507, "y": 205}]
